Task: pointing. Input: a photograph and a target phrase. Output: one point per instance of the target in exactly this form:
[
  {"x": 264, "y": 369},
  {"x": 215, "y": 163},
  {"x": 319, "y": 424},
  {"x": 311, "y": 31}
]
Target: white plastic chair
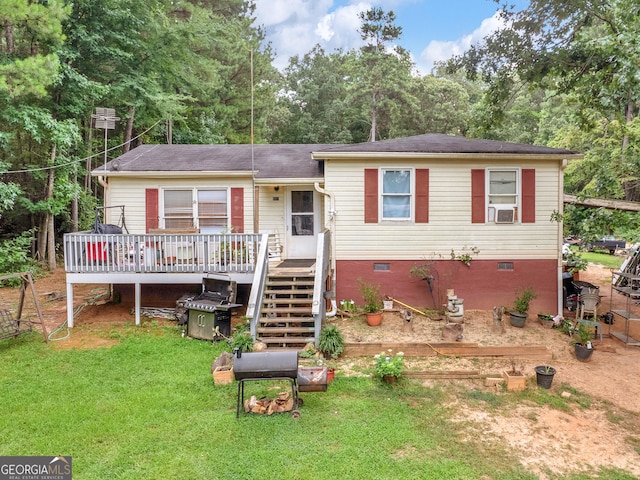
[{"x": 588, "y": 306}]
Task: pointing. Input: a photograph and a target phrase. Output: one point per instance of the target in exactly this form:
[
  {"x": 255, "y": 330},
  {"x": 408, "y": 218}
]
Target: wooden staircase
[{"x": 286, "y": 320}]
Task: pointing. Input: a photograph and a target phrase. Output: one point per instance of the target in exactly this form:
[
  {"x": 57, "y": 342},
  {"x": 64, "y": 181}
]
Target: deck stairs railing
[{"x": 293, "y": 301}]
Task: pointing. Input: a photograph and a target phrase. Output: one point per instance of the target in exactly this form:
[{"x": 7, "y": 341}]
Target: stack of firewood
[{"x": 282, "y": 403}]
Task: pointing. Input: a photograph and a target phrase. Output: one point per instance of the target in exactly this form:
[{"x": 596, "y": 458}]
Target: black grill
[
  {"x": 264, "y": 365},
  {"x": 209, "y": 315},
  {"x": 216, "y": 294},
  {"x": 277, "y": 366}
]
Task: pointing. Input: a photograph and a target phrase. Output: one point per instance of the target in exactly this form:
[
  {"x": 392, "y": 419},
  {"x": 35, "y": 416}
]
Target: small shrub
[
  {"x": 241, "y": 338},
  {"x": 388, "y": 364},
  {"x": 331, "y": 342}
]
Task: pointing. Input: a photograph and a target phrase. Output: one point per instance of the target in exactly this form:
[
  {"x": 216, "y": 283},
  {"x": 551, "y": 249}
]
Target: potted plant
[
  {"x": 372, "y": 302},
  {"x": 514, "y": 377},
  {"x": 583, "y": 347},
  {"x": 518, "y": 314},
  {"x": 546, "y": 320},
  {"x": 389, "y": 367},
  {"x": 331, "y": 342},
  {"x": 544, "y": 375},
  {"x": 241, "y": 338}
]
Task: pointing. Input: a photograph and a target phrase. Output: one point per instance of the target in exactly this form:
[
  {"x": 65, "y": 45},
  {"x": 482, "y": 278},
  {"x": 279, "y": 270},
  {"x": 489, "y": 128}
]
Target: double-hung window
[
  {"x": 204, "y": 209},
  {"x": 397, "y": 194},
  {"x": 503, "y": 192}
]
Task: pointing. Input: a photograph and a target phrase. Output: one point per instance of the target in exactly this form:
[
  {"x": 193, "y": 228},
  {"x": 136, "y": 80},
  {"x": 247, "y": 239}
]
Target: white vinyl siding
[
  {"x": 272, "y": 205},
  {"x": 130, "y": 191},
  {"x": 449, "y": 224}
]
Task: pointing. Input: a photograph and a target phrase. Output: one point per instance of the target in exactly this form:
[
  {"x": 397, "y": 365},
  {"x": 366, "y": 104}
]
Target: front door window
[{"x": 302, "y": 219}]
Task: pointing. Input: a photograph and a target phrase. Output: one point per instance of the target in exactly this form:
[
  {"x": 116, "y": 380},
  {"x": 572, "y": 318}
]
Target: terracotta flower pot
[{"x": 374, "y": 319}]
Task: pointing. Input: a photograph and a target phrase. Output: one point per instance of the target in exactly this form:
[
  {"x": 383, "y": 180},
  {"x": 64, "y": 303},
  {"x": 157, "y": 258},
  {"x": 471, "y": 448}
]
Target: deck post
[
  {"x": 70, "y": 305},
  {"x": 137, "y": 295}
]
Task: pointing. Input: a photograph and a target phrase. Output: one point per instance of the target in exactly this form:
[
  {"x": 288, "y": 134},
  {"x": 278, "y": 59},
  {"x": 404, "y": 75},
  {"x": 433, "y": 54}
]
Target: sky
[{"x": 431, "y": 29}]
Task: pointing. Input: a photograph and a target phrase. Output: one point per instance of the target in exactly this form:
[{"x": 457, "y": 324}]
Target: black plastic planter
[
  {"x": 517, "y": 319},
  {"x": 583, "y": 353},
  {"x": 544, "y": 375}
]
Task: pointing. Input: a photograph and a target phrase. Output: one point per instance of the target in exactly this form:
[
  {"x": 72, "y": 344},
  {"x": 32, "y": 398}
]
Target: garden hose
[{"x": 65, "y": 324}]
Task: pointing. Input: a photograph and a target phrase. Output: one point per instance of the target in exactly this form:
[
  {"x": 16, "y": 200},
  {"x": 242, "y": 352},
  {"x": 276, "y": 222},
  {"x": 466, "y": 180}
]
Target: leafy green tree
[
  {"x": 29, "y": 65},
  {"x": 312, "y": 106},
  {"x": 581, "y": 50},
  {"x": 439, "y": 105},
  {"x": 382, "y": 73}
]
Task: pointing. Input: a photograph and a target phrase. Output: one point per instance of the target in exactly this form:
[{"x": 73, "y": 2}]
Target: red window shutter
[
  {"x": 478, "y": 208},
  {"x": 371, "y": 195},
  {"x": 422, "y": 195},
  {"x": 151, "y": 208},
  {"x": 237, "y": 210},
  {"x": 528, "y": 195}
]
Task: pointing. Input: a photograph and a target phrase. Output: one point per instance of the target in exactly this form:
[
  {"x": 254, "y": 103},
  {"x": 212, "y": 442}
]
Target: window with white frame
[
  {"x": 204, "y": 209},
  {"x": 502, "y": 194},
  {"x": 397, "y": 194}
]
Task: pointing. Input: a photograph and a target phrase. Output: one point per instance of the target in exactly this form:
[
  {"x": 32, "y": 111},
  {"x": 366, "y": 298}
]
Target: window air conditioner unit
[{"x": 505, "y": 215}]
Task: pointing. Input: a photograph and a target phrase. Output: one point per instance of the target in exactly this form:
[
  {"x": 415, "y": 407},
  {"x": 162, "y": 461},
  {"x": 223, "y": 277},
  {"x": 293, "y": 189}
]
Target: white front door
[{"x": 303, "y": 223}]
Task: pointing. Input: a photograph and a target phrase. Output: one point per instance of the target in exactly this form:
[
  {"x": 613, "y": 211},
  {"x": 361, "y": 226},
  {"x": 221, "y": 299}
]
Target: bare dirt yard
[{"x": 549, "y": 442}]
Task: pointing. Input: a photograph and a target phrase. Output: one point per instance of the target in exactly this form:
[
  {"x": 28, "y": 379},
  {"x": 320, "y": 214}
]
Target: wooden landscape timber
[
  {"x": 457, "y": 349},
  {"x": 603, "y": 203},
  {"x": 449, "y": 374}
]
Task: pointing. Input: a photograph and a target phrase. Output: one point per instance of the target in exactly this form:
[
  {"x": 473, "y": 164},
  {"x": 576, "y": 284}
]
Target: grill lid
[
  {"x": 220, "y": 288},
  {"x": 265, "y": 364},
  {"x": 217, "y": 294}
]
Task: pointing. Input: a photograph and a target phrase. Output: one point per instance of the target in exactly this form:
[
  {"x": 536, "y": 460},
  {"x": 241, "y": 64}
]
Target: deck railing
[{"x": 87, "y": 252}]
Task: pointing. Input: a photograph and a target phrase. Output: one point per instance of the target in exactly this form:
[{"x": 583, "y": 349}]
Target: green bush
[
  {"x": 14, "y": 255},
  {"x": 241, "y": 338}
]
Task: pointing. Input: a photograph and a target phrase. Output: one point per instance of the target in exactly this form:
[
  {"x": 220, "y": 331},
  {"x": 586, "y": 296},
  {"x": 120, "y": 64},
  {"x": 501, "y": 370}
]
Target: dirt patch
[
  {"x": 548, "y": 442},
  {"x": 586, "y": 438}
]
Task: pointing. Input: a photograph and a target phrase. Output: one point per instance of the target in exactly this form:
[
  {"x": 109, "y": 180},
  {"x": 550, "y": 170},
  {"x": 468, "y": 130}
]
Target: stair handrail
[
  {"x": 319, "y": 303},
  {"x": 254, "y": 305}
]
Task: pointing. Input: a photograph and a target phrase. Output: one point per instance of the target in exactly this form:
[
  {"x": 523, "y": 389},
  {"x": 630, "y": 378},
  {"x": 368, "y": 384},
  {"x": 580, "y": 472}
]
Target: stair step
[
  {"x": 291, "y": 291},
  {"x": 281, "y": 330},
  {"x": 288, "y": 301},
  {"x": 277, "y": 310},
  {"x": 289, "y": 282},
  {"x": 270, "y": 320},
  {"x": 289, "y": 340}
]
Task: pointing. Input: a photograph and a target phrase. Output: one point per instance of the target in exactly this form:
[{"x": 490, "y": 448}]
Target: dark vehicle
[{"x": 607, "y": 243}]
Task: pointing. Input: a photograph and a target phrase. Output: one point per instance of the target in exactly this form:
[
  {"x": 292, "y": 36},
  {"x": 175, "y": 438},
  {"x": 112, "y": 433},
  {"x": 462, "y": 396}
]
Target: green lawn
[
  {"x": 147, "y": 409},
  {"x": 602, "y": 257}
]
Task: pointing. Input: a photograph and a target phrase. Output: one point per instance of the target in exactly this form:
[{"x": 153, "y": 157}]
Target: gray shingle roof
[
  {"x": 270, "y": 161},
  {"x": 295, "y": 161},
  {"x": 440, "y": 143}
]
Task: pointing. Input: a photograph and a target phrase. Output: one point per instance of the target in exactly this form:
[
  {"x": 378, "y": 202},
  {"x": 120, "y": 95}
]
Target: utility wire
[{"x": 41, "y": 169}]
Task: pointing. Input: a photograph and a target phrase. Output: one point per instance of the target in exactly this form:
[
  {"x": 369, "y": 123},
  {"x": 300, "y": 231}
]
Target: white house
[{"x": 477, "y": 213}]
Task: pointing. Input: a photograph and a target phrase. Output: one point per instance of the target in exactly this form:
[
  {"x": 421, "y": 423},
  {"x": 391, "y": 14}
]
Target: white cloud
[
  {"x": 294, "y": 27},
  {"x": 438, "y": 50}
]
